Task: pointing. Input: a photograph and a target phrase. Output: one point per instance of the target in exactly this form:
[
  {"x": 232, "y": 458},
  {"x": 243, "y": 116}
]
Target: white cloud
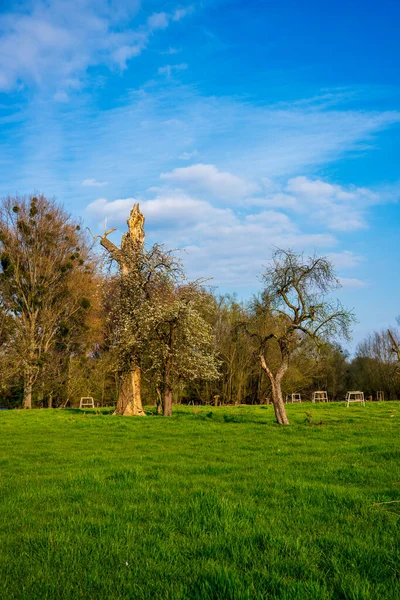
[
  {"x": 93, "y": 183},
  {"x": 334, "y": 206},
  {"x": 231, "y": 248},
  {"x": 341, "y": 209},
  {"x": 208, "y": 179},
  {"x": 158, "y": 21},
  {"x": 175, "y": 212},
  {"x": 48, "y": 42},
  {"x": 345, "y": 260},
  {"x": 180, "y": 13},
  {"x": 171, "y": 50},
  {"x": 352, "y": 283},
  {"x": 118, "y": 210},
  {"x": 156, "y": 126},
  {"x": 124, "y": 53},
  {"x": 188, "y": 155},
  {"x": 169, "y": 69}
]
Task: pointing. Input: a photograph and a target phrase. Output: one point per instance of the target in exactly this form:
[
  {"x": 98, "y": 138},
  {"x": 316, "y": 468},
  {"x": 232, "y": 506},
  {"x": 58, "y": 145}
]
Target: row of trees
[{"x": 133, "y": 330}]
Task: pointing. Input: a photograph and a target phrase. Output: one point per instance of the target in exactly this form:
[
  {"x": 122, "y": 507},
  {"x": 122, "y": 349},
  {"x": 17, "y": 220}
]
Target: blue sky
[{"x": 238, "y": 126}]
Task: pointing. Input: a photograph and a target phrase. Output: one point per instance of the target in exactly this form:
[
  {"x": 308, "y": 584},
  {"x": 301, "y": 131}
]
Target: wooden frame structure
[
  {"x": 293, "y": 398},
  {"x": 320, "y": 396},
  {"x": 380, "y": 396},
  {"x": 355, "y": 396},
  {"x": 86, "y": 402}
]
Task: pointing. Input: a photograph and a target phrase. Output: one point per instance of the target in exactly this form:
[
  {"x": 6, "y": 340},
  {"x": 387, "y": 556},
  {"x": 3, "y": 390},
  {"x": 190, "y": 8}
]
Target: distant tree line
[{"x": 130, "y": 329}]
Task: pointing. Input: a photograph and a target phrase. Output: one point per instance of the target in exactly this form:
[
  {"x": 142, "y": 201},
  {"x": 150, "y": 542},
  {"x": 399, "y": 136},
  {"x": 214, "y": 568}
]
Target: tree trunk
[
  {"x": 130, "y": 398},
  {"x": 167, "y": 401},
  {"x": 28, "y": 386},
  {"x": 277, "y": 399},
  {"x": 27, "y": 401},
  {"x": 279, "y": 405},
  {"x": 50, "y": 400},
  {"x": 159, "y": 403},
  {"x": 167, "y": 405}
]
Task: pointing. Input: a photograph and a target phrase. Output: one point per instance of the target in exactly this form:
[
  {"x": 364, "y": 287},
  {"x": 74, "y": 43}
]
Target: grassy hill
[{"x": 216, "y": 503}]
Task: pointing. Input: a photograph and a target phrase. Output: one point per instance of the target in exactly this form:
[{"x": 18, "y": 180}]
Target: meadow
[{"x": 213, "y": 503}]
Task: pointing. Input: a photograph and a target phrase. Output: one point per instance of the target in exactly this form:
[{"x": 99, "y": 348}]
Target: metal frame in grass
[
  {"x": 293, "y": 398},
  {"x": 355, "y": 396},
  {"x": 320, "y": 396},
  {"x": 88, "y": 404}
]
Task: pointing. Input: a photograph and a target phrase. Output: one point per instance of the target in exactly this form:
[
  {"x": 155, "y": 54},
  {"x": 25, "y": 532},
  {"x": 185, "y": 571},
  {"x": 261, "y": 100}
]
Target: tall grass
[{"x": 210, "y": 504}]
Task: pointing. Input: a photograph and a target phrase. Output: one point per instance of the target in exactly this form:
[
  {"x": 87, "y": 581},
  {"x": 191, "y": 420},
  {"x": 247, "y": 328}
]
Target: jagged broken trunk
[{"x": 130, "y": 397}]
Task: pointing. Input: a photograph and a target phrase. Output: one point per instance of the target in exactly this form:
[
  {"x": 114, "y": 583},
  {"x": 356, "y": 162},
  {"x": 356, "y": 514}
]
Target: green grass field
[{"x": 210, "y": 504}]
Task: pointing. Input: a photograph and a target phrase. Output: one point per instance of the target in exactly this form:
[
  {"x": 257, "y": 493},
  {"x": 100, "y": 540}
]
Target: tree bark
[
  {"x": 130, "y": 399},
  {"x": 277, "y": 399},
  {"x": 167, "y": 401},
  {"x": 27, "y": 401},
  {"x": 167, "y": 405},
  {"x": 159, "y": 402},
  {"x": 28, "y": 386}
]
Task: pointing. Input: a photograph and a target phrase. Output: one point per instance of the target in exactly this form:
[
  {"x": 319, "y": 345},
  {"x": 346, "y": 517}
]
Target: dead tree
[{"x": 132, "y": 243}]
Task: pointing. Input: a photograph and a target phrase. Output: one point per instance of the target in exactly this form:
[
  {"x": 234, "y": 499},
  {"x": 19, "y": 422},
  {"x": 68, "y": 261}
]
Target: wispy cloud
[
  {"x": 352, "y": 282},
  {"x": 171, "y": 51},
  {"x": 208, "y": 179},
  {"x": 94, "y": 183},
  {"x": 335, "y": 207},
  {"x": 130, "y": 145},
  {"x": 158, "y": 21},
  {"x": 201, "y": 208},
  {"x": 345, "y": 260},
  {"x": 55, "y": 42},
  {"x": 188, "y": 155},
  {"x": 182, "y": 12},
  {"x": 168, "y": 70},
  {"x": 219, "y": 243}
]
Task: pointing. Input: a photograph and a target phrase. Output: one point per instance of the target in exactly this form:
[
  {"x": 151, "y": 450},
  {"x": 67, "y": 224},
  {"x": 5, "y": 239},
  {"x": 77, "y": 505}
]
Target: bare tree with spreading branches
[
  {"x": 395, "y": 345},
  {"x": 294, "y": 306}
]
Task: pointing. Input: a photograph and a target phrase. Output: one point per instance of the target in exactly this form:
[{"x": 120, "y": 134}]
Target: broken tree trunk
[{"x": 130, "y": 398}]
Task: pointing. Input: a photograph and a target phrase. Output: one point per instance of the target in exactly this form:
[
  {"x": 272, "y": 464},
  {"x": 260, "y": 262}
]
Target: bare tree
[
  {"x": 395, "y": 345},
  {"x": 376, "y": 364},
  {"x": 295, "y": 306},
  {"x": 128, "y": 257}
]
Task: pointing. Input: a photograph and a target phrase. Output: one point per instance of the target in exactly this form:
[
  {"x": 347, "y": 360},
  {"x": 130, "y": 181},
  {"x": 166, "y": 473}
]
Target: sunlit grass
[{"x": 212, "y": 503}]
